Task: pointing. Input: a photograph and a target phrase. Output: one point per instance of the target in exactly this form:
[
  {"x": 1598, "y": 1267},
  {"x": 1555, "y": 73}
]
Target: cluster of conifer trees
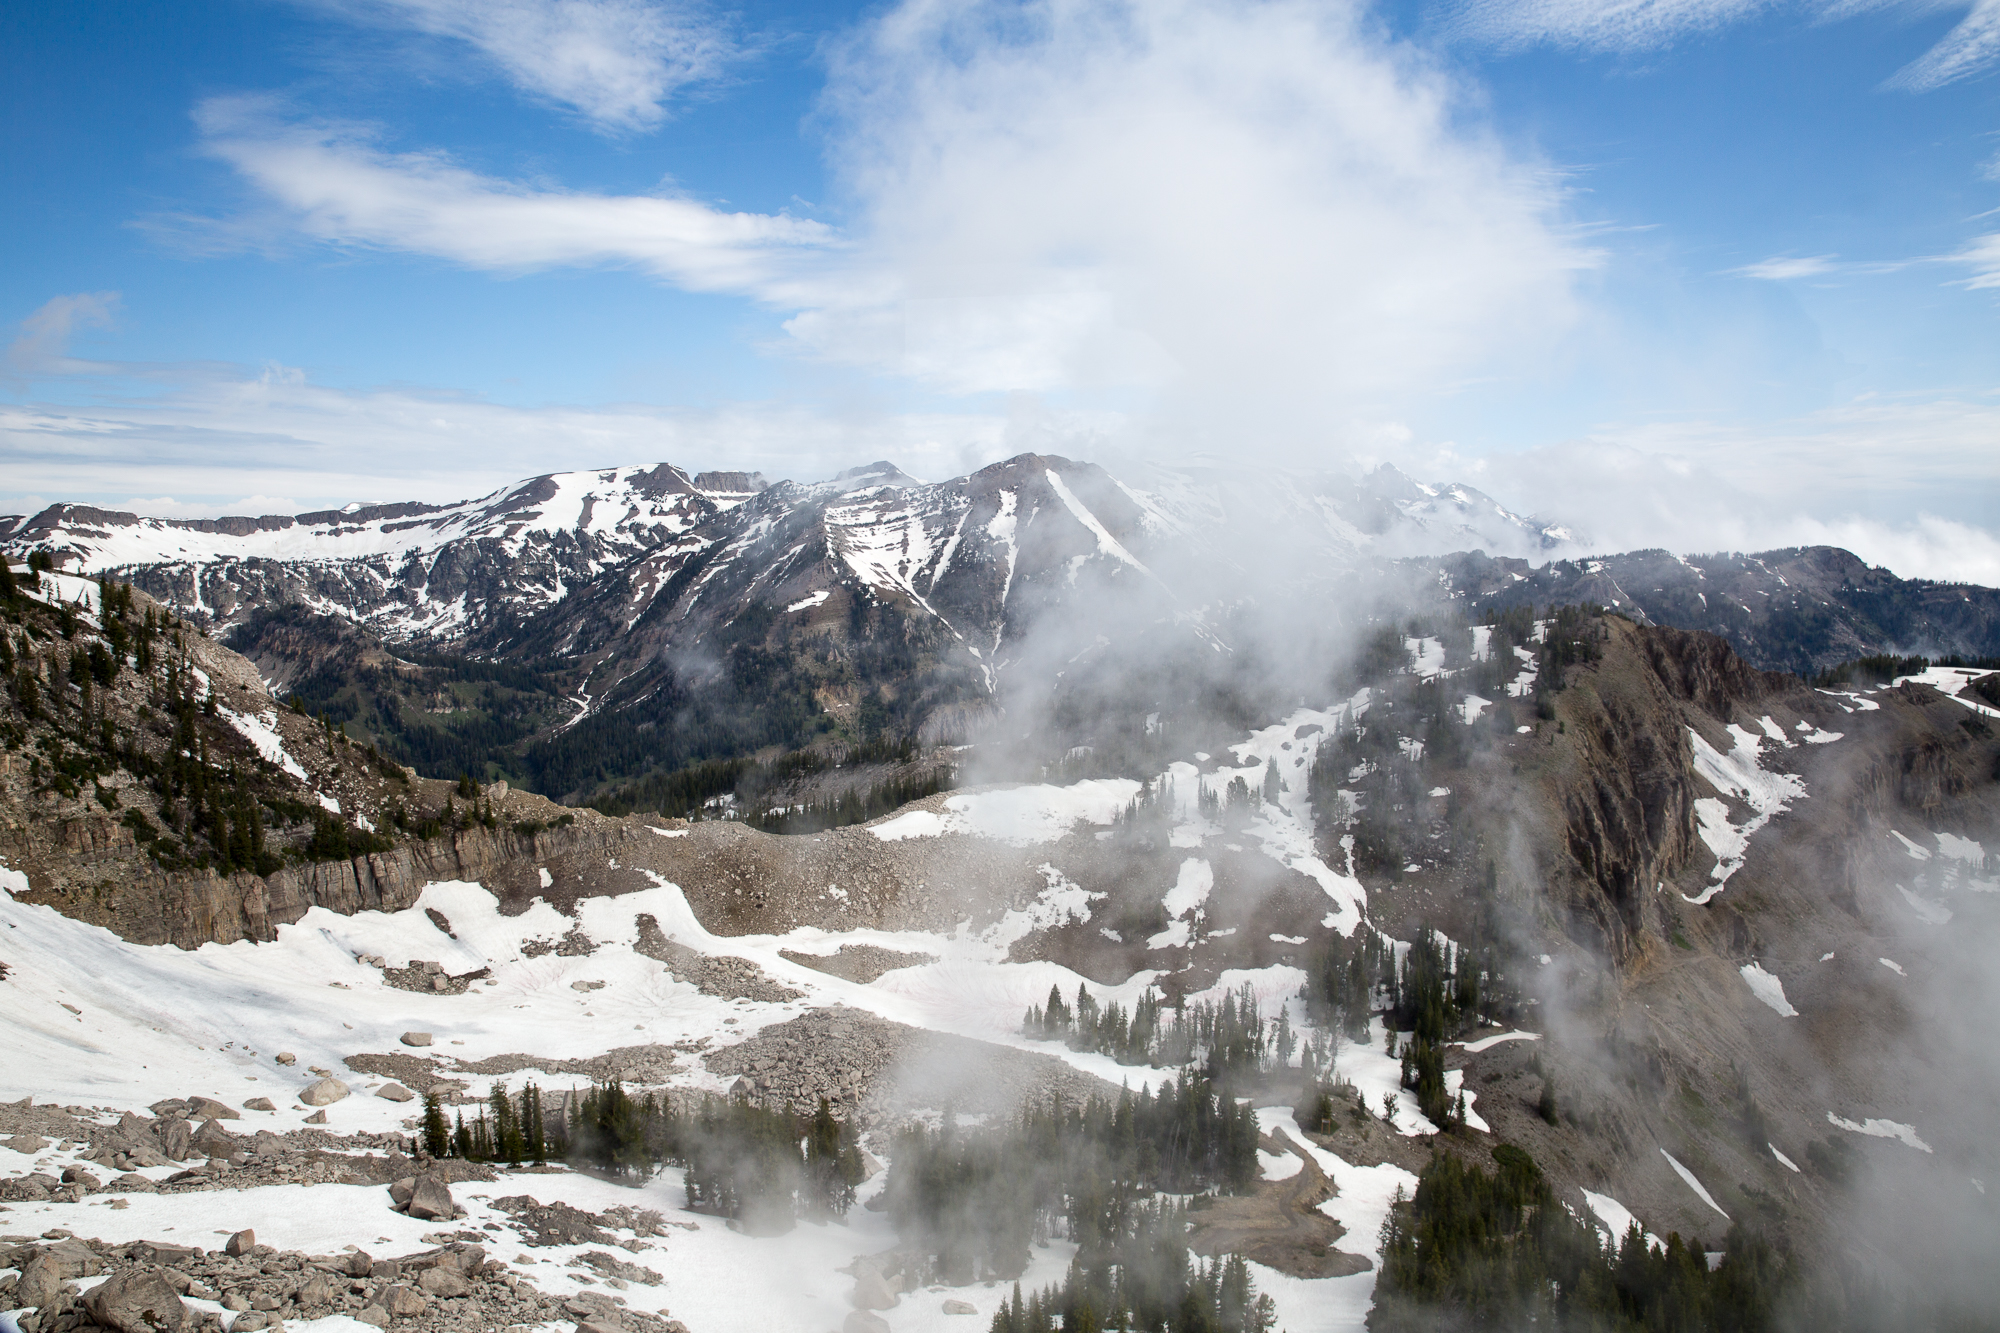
[
  {"x": 973, "y": 1201},
  {"x": 1499, "y": 1251},
  {"x": 762, "y": 1166},
  {"x": 1228, "y": 1040},
  {"x": 1135, "y": 1273}
]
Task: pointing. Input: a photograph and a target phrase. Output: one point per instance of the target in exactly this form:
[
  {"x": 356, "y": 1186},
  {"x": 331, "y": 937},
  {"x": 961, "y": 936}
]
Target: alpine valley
[{"x": 1216, "y": 898}]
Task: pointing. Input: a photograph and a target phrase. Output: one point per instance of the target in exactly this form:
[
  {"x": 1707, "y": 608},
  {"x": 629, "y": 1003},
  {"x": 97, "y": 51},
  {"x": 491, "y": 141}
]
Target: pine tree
[{"x": 437, "y": 1135}]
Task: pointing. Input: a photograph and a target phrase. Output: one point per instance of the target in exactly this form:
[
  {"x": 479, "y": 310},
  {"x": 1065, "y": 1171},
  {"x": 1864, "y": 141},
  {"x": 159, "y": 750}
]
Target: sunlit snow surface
[{"x": 1740, "y": 775}]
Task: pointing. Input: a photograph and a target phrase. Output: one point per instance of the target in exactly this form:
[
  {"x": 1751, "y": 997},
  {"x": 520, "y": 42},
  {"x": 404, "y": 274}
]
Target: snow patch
[
  {"x": 1881, "y": 1129},
  {"x": 1738, "y": 774},
  {"x": 1769, "y": 989},
  {"x": 1692, "y": 1183}
]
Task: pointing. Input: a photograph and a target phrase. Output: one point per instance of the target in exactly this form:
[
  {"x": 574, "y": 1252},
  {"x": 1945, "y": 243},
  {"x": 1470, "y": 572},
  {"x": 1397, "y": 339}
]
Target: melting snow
[
  {"x": 262, "y": 732},
  {"x": 1768, "y": 988},
  {"x": 1881, "y": 1129},
  {"x": 1736, "y": 774},
  {"x": 1692, "y": 1183},
  {"x": 1781, "y": 1157},
  {"x": 1893, "y": 966},
  {"x": 1617, "y": 1219},
  {"x": 809, "y": 601}
]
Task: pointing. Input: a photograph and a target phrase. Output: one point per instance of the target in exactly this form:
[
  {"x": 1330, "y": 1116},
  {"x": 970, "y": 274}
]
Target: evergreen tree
[{"x": 437, "y": 1135}]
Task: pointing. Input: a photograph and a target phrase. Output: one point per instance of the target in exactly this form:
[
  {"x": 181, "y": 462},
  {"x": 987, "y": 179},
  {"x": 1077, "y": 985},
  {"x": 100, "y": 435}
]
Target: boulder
[
  {"x": 287, "y": 1058},
  {"x": 138, "y": 1300},
  {"x": 442, "y": 1283},
  {"x": 25, "y": 1143},
  {"x": 240, "y": 1244},
  {"x": 373, "y": 1314},
  {"x": 212, "y": 1140},
  {"x": 133, "y": 1183},
  {"x": 76, "y": 1258},
  {"x": 176, "y": 1139},
  {"x": 871, "y": 1290},
  {"x": 316, "y": 1118},
  {"x": 863, "y": 1321},
  {"x": 207, "y": 1108},
  {"x": 76, "y": 1175},
  {"x": 956, "y": 1306},
  {"x": 416, "y": 1039},
  {"x": 394, "y": 1092},
  {"x": 404, "y": 1301},
  {"x": 359, "y": 1264},
  {"x": 323, "y": 1093},
  {"x": 431, "y": 1200},
  {"x": 259, "y": 1104},
  {"x": 41, "y": 1279},
  {"x": 401, "y": 1190}
]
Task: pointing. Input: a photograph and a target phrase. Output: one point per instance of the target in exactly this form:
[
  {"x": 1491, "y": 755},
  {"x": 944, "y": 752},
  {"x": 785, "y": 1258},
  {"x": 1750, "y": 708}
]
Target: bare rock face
[
  {"x": 325, "y": 1092},
  {"x": 137, "y": 1301}
]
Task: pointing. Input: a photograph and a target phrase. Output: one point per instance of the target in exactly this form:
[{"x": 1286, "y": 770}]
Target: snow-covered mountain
[
  {"x": 970, "y": 552},
  {"x": 407, "y": 570}
]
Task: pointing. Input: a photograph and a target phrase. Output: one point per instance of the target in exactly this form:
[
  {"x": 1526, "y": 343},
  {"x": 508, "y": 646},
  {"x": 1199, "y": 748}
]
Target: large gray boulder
[
  {"x": 394, "y": 1092},
  {"x": 207, "y": 1108},
  {"x": 41, "y": 1279},
  {"x": 176, "y": 1139},
  {"x": 139, "y": 1300},
  {"x": 323, "y": 1093},
  {"x": 416, "y": 1039},
  {"x": 431, "y": 1200}
]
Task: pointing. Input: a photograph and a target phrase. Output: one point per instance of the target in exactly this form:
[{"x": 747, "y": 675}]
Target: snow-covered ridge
[{"x": 613, "y": 502}]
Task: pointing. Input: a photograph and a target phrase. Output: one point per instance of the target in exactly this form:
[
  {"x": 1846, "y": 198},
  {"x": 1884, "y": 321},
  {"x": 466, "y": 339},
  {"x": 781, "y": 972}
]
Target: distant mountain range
[{"x": 577, "y": 630}]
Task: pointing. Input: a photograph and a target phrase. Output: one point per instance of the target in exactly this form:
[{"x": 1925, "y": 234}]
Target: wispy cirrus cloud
[
  {"x": 42, "y": 346},
  {"x": 1784, "y": 268},
  {"x": 333, "y": 184},
  {"x": 1596, "y": 25},
  {"x": 615, "y": 62},
  {"x": 1970, "y": 48}
]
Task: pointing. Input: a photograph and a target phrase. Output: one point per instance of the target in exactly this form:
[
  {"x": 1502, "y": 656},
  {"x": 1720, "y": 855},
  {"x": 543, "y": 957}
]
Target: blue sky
[{"x": 1696, "y": 273}]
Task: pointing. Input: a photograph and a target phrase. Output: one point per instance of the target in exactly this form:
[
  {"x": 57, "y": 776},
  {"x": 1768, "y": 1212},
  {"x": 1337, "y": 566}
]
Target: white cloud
[
  {"x": 1263, "y": 202},
  {"x": 42, "y": 347},
  {"x": 1904, "y": 484},
  {"x": 1601, "y": 25},
  {"x": 1784, "y": 268},
  {"x": 1982, "y": 256},
  {"x": 331, "y": 184},
  {"x": 615, "y": 61},
  {"x": 1968, "y": 49},
  {"x": 1261, "y": 198},
  {"x": 1643, "y": 25},
  {"x": 235, "y": 443}
]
